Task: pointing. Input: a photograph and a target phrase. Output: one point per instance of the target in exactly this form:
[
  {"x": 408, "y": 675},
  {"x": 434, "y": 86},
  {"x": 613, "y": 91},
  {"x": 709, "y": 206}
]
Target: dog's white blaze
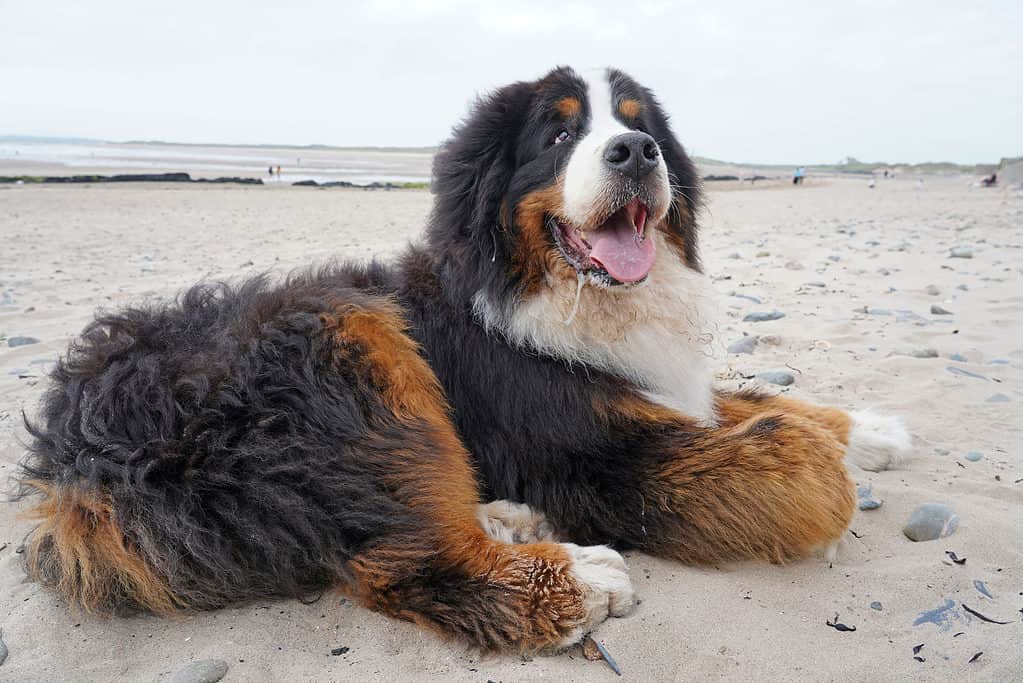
[
  {"x": 658, "y": 335},
  {"x": 587, "y": 176}
]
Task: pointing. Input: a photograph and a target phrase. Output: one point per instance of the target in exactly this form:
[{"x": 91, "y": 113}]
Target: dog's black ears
[{"x": 473, "y": 169}]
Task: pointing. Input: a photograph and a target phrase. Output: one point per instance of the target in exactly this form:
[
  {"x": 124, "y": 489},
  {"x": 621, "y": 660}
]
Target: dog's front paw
[
  {"x": 510, "y": 522},
  {"x": 602, "y": 576},
  {"x": 877, "y": 442}
]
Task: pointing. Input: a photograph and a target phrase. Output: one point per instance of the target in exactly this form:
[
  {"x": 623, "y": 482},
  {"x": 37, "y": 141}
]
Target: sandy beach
[{"x": 855, "y": 270}]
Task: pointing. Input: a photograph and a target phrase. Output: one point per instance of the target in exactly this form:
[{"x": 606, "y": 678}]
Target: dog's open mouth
[{"x": 618, "y": 249}]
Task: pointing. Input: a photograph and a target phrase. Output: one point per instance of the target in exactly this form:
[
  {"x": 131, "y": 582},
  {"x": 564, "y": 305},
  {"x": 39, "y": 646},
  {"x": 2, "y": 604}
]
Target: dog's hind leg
[{"x": 873, "y": 442}]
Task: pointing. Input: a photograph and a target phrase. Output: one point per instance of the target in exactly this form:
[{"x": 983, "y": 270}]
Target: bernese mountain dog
[{"x": 463, "y": 437}]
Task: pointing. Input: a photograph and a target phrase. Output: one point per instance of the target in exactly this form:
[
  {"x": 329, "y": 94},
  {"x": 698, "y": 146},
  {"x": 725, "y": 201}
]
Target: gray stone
[
  {"x": 961, "y": 252},
  {"x": 735, "y": 255},
  {"x": 958, "y": 357},
  {"x": 963, "y": 287},
  {"x": 997, "y": 398},
  {"x": 21, "y": 341},
  {"x": 942, "y": 451},
  {"x": 964, "y": 373},
  {"x": 931, "y": 521},
  {"x": 204, "y": 671},
  {"x": 744, "y": 345},
  {"x": 932, "y": 290},
  {"x": 921, "y": 352},
  {"x": 973, "y": 456},
  {"x": 939, "y": 310},
  {"x": 780, "y": 377},
  {"x": 793, "y": 265},
  {"x": 876, "y": 605},
  {"x": 762, "y": 316},
  {"x": 816, "y": 283},
  {"x": 834, "y": 259},
  {"x": 865, "y": 498}
]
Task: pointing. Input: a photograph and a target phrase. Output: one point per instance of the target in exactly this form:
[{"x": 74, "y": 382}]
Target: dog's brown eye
[{"x": 561, "y": 137}]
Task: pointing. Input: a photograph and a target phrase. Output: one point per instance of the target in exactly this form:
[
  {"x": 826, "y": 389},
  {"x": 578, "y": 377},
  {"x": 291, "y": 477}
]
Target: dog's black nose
[{"x": 634, "y": 154}]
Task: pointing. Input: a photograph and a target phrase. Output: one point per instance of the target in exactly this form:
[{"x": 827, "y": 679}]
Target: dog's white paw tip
[
  {"x": 607, "y": 590},
  {"x": 877, "y": 442}
]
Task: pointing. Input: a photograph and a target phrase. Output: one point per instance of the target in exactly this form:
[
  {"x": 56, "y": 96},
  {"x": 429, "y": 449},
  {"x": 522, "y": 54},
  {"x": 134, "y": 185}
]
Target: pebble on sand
[
  {"x": 876, "y": 605},
  {"x": 922, "y": 352},
  {"x": 762, "y": 316},
  {"x": 931, "y": 521},
  {"x": 865, "y": 498},
  {"x": 21, "y": 341},
  {"x": 961, "y": 252},
  {"x": 932, "y": 290},
  {"x": 780, "y": 377},
  {"x": 973, "y": 456},
  {"x": 939, "y": 310},
  {"x": 204, "y": 671},
  {"x": 744, "y": 345}
]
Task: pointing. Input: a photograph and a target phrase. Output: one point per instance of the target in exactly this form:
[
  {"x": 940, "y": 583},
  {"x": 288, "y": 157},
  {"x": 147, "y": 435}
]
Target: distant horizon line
[{"x": 75, "y": 140}]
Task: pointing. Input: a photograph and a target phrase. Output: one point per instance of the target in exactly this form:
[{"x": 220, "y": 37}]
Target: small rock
[
  {"x": 932, "y": 290},
  {"x": 744, "y": 345},
  {"x": 922, "y": 352},
  {"x": 973, "y": 456},
  {"x": 21, "y": 341},
  {"x": 735, "y": 255},
  {"x": 961, "y": 252},
  {"x": 876, "y": 605},
  {"x": 939, "y": 310},
  {"x": 958, "y": 357},
  {"x": 816, "y": 283},
  {"x": 770, "y": 339},
  {"x": 834, "y": 259},
  {"x": 883, "y": 271},
  {"x": 204, "y": 671},
  {"x": 931, "y": 521},
  {"x": 338, "y": 651},
  {"x": 997, "y": 398},
  {"x": 780, "y": 377},
  {"x": 865, "y": 498},
  {"x": 942, "y": 451},
  {"x": 793, "y": 265},
  {"x": 762, "y": 316},
  {"x": 762, "y": 254},
  {"x": 963, "y": 287}
]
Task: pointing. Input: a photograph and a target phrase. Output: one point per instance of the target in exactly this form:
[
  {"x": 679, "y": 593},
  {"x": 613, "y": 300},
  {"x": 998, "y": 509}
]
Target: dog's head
[{"x": 572, "y": 174}]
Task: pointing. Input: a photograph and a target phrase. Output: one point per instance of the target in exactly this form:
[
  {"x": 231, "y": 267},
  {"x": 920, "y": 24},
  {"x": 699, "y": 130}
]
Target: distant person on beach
[
  {"x": 270, "y": 170},
  {"x": 990, "y": 181},
  {"x": 797, "y": 177},
  {"x": 278, "y": 172}
]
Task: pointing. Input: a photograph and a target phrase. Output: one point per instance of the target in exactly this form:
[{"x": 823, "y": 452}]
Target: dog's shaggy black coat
[{"x": 244, "y": 447}]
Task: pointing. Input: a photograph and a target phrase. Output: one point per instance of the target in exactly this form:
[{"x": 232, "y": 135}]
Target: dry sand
[{"x": 68, "y": 250}]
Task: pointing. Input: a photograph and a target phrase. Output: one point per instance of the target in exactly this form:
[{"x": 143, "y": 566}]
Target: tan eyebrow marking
[
  {"x": 629, "y": 108},
  {"x": 568, "y": 107}
]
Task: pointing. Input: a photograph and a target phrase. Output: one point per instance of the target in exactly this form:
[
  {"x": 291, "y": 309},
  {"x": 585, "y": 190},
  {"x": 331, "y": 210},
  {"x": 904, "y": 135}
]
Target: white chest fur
[{"x": 657, "y": 334}]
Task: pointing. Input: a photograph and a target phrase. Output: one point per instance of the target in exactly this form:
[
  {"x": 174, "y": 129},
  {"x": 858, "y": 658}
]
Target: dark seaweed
[
  {"x": 838, "y": 626},
  {"x": 952, "y": 556},
  {"x": 982, "y": 617}
]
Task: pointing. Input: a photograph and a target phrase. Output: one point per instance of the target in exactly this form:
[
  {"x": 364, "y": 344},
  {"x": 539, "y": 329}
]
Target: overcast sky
[{"x": 743, "y": 81}]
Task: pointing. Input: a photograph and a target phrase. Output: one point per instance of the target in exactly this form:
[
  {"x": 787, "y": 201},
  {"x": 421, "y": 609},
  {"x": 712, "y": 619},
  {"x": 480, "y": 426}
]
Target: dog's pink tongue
[{"x": 618, "y": 248}]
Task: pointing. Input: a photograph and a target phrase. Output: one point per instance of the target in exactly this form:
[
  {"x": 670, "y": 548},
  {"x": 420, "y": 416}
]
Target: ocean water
[{"x": 323, "y": 165}]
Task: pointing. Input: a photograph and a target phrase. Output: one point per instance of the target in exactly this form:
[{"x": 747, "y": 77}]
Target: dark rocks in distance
[
  {"x": 203, "y": 671},
  {"x": 345, "y": 183},
  {"x": 720, "y": 177},
  {"x": 130, "y": 178},
  {"x": 21, "y": 341},
  {"x": 762, "y": 316}
]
